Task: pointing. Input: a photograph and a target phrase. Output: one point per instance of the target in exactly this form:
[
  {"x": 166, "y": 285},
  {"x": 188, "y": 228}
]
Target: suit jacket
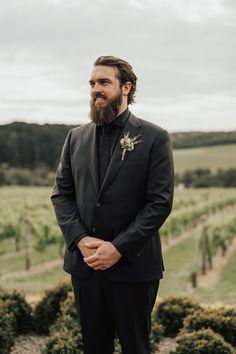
[{"x": 130, "y": 207}]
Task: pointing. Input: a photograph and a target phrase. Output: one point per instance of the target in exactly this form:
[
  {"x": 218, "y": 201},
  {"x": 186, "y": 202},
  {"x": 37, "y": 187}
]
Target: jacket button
[
  {"x": 98, "y": 204},
  {"x": 94, "y": 229}
]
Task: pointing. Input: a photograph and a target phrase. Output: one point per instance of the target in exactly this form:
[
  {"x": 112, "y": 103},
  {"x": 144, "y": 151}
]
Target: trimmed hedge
[
  {"x": 172, "y": 311},
  {"x": 56, "y": 316},
  {"x": 204, "y": 341},
  {"x": 14, "y": 302},
  {"x": 63, "y": 342},
  {"x": 222, "y": 321},
  {"x": 65, "y": 337},
  {"x": 65, "y": 333},
  {"x": 48, "y": 309},
  {"x": 7, "y": 333},
  {"x": 156, "y": 334},
  {"x": 67, "y": 306}
]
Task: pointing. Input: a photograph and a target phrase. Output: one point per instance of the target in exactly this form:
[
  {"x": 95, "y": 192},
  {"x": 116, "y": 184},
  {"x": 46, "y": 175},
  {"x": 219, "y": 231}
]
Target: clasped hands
[{"x": 97, "y": 253}]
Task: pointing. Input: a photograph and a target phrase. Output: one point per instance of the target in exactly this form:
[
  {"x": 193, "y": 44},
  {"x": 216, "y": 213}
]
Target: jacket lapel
[
  {"x": 92, "y": 155},
  {"x": 132, "y": 126}
]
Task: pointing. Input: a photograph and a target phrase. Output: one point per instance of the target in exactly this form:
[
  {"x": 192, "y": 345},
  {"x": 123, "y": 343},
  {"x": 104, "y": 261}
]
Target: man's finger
[
  {"x": 92, "y": 258},
  {"x": 95, "y": 265},
  {"x": 93, "y": 244}
]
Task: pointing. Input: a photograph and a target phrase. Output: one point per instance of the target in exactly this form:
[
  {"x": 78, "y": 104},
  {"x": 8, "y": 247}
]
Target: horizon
[{"x": 171, "y": 132}]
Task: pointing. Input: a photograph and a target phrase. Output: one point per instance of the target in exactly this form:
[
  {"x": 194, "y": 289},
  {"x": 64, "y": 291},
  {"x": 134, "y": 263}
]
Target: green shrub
[
  {"x": 222, "y": 321},
  {"x": 67, "y": 306},
  {"x": 65, "y": 337},
  {"x": 156, "y": 334},
  {"x": 204, "y": 341},
  {"x": 66, "y": 323},
  {"x": 172, "y": 311},
  {"x": 63, "y": 342},
  {"x": 48, "y": 309},
  {"x": 16, "y": 304},
  {"x": 7, "y": 332}
]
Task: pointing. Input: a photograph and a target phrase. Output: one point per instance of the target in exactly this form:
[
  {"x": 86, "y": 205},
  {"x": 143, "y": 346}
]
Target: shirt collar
[{"x": 121, "y": 119}]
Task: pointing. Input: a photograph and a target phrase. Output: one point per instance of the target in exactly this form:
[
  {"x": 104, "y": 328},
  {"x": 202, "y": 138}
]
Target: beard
[{"x": 105, "y": 115}]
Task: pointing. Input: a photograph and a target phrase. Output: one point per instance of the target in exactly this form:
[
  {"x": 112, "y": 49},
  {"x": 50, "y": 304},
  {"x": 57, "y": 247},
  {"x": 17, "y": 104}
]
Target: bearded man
[{"x": 113, "y": 191}]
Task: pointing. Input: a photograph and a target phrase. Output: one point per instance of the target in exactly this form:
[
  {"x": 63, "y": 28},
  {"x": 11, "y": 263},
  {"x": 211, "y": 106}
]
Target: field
[
  {"x": 211, "y": 157},
  {"x": 30, "y": 238}
]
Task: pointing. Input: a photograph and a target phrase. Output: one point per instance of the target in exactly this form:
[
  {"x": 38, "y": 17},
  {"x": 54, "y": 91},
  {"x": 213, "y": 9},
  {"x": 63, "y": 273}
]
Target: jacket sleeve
[
  {"x": 63, "y": 200},
  {"x": 158, "y": 201}
]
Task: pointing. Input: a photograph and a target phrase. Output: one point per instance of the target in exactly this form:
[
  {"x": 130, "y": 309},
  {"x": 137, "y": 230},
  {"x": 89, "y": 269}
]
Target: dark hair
[{"x": 124, "y": 70}]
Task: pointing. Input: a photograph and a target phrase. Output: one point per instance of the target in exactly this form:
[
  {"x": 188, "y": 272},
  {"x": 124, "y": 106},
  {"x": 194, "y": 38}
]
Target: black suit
[{"x": 133, "y": 202}]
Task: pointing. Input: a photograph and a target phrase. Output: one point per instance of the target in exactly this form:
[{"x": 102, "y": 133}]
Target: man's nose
[{"x": 96, "y": 88}]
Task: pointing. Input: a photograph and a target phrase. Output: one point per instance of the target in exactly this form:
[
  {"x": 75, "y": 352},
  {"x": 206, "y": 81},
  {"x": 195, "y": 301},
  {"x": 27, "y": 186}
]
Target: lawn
[{"x": 211, "y": 157}]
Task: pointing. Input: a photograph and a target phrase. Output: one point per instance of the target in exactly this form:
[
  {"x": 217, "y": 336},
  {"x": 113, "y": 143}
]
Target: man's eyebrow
[{"x": 100, "y": 80}]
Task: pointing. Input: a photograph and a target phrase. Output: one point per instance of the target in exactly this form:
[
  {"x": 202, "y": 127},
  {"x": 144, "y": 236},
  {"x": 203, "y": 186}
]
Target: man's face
[
  {"x": 104, "y": 85},
  {"x": 106, "y": 95}
]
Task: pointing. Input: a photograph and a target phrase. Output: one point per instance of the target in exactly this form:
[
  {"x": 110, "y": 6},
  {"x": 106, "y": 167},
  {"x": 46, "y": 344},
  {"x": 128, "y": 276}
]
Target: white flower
[{"x": 127, "y": 143}]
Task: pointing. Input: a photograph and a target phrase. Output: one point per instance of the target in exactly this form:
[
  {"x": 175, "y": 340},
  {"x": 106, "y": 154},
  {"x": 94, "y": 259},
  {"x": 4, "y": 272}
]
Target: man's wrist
[{"x": 81, "y": 242}]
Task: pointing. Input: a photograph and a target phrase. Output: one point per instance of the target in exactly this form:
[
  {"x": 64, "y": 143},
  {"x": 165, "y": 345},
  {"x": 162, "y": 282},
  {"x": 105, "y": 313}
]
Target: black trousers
[{"x": 106, "y": 307}]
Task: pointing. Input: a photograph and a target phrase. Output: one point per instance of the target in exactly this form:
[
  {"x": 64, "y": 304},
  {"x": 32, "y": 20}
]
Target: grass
[
  {"x": 225, "y": 290},
  {"x": 36, "y": 258},
  {"x": 179, "y": 261},
  {"x": 37, "y": 283},
  {"x": 211, "y": 157}
]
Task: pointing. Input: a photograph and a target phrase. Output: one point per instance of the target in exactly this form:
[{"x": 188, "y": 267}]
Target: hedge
[
  {"x": 47, "y": 310},
  {"x": 172, "y": 311},
  {"x": 222, "y": 321},
  {"x": 204, "y": 341}
]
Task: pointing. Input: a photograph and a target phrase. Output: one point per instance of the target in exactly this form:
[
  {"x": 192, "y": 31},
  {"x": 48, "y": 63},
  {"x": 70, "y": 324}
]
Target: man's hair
[{"x": 124, "y": 72}]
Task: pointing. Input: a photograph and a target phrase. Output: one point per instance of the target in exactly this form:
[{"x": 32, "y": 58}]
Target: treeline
[
  {"x": 39, "y": 176},
  {"x": 31, "y": 145},
  {"x": 42, "y": 176},
  {"x": 196, "y": 139},
  {"x": 203, "y": 178}
]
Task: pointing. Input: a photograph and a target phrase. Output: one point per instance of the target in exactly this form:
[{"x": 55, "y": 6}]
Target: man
[{"x": 113, "y": 191}]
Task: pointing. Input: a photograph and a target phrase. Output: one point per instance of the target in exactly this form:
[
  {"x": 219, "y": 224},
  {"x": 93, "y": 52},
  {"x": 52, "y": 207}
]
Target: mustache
[{"x": 99, "y": 95}]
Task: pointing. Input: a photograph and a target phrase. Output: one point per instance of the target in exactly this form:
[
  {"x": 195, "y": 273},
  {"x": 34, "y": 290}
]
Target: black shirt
[
  {"x": 106, "y": 147},
  {"x": 113, "y": 130}
]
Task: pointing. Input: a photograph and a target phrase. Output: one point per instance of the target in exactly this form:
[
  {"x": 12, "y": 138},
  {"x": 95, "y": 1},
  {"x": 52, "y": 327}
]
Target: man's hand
[
  {"x": 84, "y": 245},
  {"x": 106, "y": 255}
]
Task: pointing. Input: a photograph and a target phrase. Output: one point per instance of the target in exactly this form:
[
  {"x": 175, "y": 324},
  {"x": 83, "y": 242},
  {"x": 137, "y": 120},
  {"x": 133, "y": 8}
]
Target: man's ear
[{"x": 126, "y": 88}]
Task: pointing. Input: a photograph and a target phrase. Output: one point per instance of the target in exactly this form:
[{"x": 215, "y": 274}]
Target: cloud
[
  {"x": 183, "y": 53},
  {"x": 190, "y": 11}
]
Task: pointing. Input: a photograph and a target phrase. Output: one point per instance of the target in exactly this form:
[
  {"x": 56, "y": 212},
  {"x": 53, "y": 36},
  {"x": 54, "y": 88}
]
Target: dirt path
[
  {"x": 28, "y": 344},
  {"x": 212, "y": 276},
  {"x": 166, "y": 345},
  {"x": 14, "y": 254}
]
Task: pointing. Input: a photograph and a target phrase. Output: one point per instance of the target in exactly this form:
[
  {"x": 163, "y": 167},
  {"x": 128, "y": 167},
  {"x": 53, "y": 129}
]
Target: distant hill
[
  {"x": 184, "y": 140},
  {"x": 31, "y": 145}
]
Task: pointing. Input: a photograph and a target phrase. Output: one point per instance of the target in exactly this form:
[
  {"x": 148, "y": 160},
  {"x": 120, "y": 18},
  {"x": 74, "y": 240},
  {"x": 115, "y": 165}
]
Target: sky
[{"x": 183, "y": 52}]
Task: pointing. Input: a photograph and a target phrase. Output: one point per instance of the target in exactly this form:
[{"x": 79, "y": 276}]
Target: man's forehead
[{"x": 102, "y": 72}]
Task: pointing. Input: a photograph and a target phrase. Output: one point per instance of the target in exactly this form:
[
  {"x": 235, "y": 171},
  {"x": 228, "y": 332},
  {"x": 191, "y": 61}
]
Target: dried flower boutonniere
[{"x": 127, "y": 143}]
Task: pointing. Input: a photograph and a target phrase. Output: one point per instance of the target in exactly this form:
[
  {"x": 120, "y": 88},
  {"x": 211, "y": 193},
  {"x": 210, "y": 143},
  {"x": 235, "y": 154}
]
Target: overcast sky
[{"x": 183, "y": 52}]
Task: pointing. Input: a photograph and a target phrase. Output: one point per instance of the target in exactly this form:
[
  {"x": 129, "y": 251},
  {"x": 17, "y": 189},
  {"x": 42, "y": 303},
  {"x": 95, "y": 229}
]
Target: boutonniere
[{"x": 127, "y": 143}]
